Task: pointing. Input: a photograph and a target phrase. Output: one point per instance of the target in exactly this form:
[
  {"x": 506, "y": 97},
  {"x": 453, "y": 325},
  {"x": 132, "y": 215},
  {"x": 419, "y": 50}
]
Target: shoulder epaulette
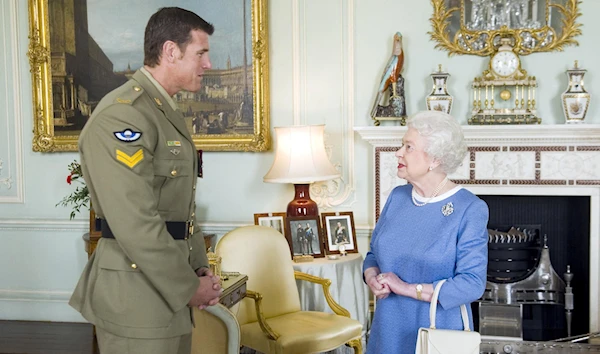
[{"x": 128, "y": 94}]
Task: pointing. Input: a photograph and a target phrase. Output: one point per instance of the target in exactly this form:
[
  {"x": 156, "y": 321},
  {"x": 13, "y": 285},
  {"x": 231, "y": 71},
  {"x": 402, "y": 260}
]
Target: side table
[{"x": 347, "y": 288}]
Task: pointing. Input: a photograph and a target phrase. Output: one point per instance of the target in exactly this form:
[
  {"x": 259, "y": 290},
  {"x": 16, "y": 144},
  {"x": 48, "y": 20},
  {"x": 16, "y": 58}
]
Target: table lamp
[{"x": 300, "y": 158}]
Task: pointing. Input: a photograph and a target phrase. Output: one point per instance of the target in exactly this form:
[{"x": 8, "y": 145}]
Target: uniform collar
[
  {"x": 174, "y": 116},
  {"x": 160, "y": 89}
]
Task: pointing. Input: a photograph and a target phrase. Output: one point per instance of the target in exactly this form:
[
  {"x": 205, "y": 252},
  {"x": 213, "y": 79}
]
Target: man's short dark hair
[{"x": 171, "y": 24}]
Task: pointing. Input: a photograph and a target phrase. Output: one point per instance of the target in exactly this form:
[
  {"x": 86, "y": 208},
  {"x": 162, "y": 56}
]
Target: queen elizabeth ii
[{"x": 430, "y": 229}]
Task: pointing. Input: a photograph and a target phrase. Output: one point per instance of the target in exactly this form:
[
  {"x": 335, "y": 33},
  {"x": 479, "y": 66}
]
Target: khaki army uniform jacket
[{"x": 140, "y": 165}]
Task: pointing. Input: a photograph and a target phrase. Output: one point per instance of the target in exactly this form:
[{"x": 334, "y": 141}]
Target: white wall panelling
[
  {"x": 323, "y": 87},
  {"x": 11, "y": 158}
]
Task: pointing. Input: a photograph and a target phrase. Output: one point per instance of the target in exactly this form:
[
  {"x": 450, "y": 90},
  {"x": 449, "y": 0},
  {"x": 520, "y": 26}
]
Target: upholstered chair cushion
[{"x": 320, "y": 332}]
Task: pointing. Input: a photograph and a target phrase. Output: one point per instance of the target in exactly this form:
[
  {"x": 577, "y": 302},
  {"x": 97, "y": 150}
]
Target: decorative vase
[
  {"x": 575, "y": 100},
  {"x": 439, "y": 99}
]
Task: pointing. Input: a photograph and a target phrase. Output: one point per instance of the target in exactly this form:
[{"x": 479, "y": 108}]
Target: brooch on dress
[{"x": 448, "y": 209}]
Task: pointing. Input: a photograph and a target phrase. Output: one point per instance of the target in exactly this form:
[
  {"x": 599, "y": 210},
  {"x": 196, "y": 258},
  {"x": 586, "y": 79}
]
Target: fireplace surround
[{"x": 534, "y": 161}]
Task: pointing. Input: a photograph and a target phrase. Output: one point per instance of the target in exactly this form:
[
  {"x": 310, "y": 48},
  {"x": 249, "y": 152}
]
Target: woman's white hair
[{"x": 444, "y": 138}]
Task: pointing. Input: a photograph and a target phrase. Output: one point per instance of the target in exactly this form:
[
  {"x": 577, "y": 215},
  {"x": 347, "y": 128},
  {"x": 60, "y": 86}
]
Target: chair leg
[{"x": 356, "y": 344}]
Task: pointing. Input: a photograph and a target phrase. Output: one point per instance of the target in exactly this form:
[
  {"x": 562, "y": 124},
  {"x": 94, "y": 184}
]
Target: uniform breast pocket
[{"x": 173, "y": 184}]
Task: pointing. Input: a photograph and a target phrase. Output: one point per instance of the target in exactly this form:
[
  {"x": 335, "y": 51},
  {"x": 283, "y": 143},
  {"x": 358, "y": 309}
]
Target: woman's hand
[
  {"x": 393, "y": 282},
  {"x": 379, "y": 290}
]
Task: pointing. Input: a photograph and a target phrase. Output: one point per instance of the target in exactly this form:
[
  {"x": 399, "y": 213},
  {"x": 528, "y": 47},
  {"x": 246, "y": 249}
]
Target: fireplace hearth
[{"x": 554, "y": 234}]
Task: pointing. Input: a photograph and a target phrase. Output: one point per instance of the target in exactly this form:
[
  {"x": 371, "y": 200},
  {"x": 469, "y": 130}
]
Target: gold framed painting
[{"x": 80, "y": 50}]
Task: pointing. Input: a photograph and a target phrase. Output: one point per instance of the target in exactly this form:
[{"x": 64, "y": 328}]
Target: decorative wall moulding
[
  {"x": 5, "y": 182},
  {"x": 339, "y": 136},
  {"x": 11, "y": 106}
]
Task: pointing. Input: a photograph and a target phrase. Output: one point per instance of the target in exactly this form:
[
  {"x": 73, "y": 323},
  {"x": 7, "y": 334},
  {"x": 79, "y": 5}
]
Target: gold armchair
[
  {"x": 270, "y": 317},
  {"x": 217, "y": 331}
]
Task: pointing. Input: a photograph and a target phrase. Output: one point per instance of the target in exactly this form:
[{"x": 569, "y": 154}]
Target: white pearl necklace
[{"x": 433, "y": 195}]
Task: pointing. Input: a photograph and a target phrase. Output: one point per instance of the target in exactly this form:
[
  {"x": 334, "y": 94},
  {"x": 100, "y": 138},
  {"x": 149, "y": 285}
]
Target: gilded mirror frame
[
  {"x": 463, "y": 40},
  {"x": 45, "y": 139}
]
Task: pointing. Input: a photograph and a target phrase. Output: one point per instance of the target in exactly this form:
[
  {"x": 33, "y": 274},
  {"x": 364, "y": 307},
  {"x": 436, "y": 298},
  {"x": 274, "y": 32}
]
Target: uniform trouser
[{"x": 113, "y": 344}]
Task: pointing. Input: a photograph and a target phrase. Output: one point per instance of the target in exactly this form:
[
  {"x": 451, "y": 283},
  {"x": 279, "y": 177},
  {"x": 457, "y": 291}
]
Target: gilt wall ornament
[
  {"x": 476, "y": 26},
  {"x": 575, "y": 100}
]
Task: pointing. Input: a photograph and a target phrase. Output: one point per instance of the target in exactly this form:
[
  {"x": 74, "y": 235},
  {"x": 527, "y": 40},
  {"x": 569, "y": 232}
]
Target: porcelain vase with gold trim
[{"x": 575, "y": 100}]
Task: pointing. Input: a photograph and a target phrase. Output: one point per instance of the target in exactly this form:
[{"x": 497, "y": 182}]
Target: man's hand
[
  {"x": 208, "y": 291},
  {"x": 202, "y": 271}
]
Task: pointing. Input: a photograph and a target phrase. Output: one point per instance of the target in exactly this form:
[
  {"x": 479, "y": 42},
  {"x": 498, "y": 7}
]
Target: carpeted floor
[{"x": 28, "y": 337}]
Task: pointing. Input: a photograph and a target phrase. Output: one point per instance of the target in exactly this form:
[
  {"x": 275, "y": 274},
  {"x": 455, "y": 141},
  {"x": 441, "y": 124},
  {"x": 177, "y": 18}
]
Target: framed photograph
[
  {"x": 339, "y": 229},
  {"x": 304, "y": 236},
  {"x": 81, "y": 50},
  {"x": 274, "y": 220}
]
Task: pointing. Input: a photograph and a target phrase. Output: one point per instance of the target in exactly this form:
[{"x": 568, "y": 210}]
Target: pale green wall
[{"x": 326, "y": 58}]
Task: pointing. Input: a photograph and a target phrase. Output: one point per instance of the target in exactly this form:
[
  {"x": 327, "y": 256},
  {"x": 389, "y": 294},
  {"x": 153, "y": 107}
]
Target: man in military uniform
[
  {"x": 140, "y": 165},
  {"x": 341, "y": 235}
]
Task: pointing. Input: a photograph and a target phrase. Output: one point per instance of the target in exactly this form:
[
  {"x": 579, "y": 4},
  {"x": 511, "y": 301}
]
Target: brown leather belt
[{"x": 179, "y": 230}]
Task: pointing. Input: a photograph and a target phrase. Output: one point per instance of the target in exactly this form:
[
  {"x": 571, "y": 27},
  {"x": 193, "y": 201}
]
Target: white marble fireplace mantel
[
  {"x": 497, "y": 134},
  {"x": 514, "y": 160}
]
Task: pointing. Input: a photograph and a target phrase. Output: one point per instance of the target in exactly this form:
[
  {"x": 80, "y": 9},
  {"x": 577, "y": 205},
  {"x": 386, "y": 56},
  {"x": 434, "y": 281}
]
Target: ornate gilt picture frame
[
  {"x": 467, "y": 27},
  {"x": 73, "y": 64}
]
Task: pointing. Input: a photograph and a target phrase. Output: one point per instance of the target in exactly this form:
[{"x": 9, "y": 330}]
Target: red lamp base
[{"x": 302, "y": 205}]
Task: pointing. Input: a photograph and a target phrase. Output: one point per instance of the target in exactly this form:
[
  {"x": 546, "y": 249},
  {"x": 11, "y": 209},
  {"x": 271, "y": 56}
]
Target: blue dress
[{"x": 422, "y": 245}]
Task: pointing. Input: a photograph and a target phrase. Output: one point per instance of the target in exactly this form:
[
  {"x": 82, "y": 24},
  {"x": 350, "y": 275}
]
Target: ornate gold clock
[{"x": 504, "y": 93}]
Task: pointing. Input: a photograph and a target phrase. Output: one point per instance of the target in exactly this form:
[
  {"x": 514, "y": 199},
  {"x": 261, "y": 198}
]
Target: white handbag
[{"x": 447, "y": 341}]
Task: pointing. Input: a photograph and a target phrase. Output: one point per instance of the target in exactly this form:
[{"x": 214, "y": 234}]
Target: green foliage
[{"x": 80, "y": 197}]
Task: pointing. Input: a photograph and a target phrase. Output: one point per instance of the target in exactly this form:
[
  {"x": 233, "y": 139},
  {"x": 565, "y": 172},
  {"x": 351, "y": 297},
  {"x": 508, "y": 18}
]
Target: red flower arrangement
[{"x": 81, "y": 196}]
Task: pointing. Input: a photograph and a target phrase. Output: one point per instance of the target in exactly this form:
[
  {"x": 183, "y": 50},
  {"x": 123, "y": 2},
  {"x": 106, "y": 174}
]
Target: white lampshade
[{"x": 300, "y": 156}]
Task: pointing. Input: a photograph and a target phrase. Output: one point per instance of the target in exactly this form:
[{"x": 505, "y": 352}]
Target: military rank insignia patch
[
  {"x": 130, "y": 160},
  {"x": 128, "y": 135}
]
